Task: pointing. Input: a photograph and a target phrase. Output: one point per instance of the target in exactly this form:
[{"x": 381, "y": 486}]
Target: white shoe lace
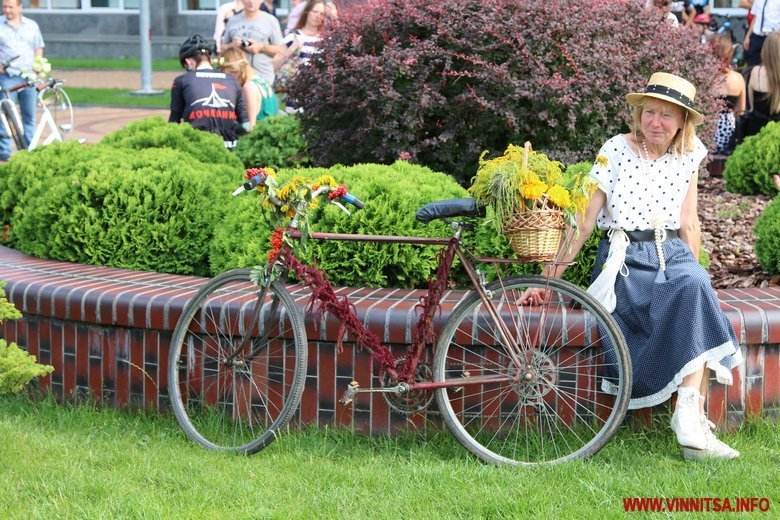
[{"x": 715, "y": 445}]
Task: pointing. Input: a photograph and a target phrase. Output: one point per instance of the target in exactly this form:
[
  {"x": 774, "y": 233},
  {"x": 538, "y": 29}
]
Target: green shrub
[
  {"x": 767, "y": 231},
  {"x": 750, "y": 167},
  {"x": 152, "y": 211},
  {"x": 17, "y": 367},
  {"x": 41, "y": 168},
  {"x": 392, "y": 195},
  {"x": 155, "y": 132},
  {"x": 275, "y": 141}
]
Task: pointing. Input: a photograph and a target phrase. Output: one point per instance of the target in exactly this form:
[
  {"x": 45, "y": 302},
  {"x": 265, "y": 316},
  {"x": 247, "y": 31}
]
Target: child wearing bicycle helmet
[{"x": 207, "y": 99}]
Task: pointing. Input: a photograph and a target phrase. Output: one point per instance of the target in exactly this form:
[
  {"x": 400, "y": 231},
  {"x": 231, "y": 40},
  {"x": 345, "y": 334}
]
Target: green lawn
[
  {"x": 66, "y": 462},
  {"x": 112, "y": 63},
  {"x": 117, "y": 97}
]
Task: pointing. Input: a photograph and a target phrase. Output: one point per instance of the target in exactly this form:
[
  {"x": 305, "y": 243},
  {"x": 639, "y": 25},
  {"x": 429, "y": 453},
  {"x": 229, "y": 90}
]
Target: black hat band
[{"x": 672, "y": 93}]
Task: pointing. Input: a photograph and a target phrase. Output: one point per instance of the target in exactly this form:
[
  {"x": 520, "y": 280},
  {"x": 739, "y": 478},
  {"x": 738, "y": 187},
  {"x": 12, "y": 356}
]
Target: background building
[{"x": 109, "y": 28}]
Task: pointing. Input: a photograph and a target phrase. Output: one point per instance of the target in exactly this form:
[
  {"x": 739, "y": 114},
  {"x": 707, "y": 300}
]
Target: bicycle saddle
[{"x": 449, "y": 208}]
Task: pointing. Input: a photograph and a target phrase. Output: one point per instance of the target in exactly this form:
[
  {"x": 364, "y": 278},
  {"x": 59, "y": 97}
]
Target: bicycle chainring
[{"x": 411, "y": 402}]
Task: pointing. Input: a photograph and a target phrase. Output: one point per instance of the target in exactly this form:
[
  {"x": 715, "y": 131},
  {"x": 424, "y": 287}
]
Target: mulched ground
[{"x": 727, "y": 221}]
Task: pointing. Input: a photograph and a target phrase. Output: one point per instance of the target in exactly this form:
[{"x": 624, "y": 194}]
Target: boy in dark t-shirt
[{"x": 205, "y": 98}]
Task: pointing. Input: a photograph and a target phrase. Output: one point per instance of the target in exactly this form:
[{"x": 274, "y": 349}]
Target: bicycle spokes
[{"x": 551, "y": 406}]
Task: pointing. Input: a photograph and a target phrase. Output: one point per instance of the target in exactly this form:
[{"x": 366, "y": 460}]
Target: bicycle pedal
[{"x": 349, "y": 393}]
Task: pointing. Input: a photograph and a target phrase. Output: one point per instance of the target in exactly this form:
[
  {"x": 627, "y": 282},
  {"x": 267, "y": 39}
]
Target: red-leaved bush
[{"x": 438, "y": 82}]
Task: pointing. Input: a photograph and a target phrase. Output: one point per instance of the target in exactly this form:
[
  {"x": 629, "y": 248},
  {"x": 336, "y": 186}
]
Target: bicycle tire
[
  {"x": 61, "y": 109},
  {"x": 241, "y": 406},
  {"x": 15, "y": 126},
  {"x": 561, "y": 412}
]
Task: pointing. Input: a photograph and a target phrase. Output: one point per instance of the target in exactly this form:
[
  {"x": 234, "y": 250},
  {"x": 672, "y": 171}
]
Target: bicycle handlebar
[
  {"x": 259, "y": 180},
  {"x": 43, "y": 85}
]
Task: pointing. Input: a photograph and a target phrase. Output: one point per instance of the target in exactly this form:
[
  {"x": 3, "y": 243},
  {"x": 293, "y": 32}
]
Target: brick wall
[{"x": 107, "y": 333}]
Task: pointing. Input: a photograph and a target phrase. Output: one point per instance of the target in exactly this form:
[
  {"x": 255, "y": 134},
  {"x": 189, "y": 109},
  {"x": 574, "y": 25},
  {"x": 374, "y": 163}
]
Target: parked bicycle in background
[{"x": 52, "y": 102}]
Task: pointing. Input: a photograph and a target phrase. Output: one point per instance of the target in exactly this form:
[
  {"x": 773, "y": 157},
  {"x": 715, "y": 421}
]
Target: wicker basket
[{"x": 535, "y": 235}]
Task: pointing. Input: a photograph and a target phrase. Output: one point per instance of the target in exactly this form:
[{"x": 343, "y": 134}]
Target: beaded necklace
[{"x": 659, "y": 232}]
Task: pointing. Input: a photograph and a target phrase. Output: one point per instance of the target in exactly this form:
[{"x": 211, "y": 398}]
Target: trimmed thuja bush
[
  {"x": 392, "y": 194},
  {"x": 750, "y": 167},
  {"x": 277, "y": 142},
  {"x": 767, "y": 233},
  {"x": 110, "y": 205},
  {"x": 438, "y": 82},
  {"x": 165, "y": 210}
]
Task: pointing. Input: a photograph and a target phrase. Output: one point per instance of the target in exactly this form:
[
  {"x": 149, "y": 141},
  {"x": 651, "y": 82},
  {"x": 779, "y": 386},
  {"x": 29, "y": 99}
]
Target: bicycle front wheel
[
  {"x": 560, "y": 393},
  {"x": 237, "y": 363},
  {"x": 58, "y": 104}
]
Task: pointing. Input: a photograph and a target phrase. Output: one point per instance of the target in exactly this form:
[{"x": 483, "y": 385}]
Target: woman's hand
[
  {"x": 535, "y": 296},
  {"x": 776, "y": 178}
]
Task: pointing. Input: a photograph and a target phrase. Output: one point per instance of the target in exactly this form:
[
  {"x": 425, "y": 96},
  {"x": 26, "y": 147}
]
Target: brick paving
[
  {"x": 92, "y": 123},
  {"x": 126, "y": 79}
]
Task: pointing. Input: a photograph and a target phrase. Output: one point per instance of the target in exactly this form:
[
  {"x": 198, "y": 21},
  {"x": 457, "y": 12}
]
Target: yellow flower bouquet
[{"x": 532, "y": 197}]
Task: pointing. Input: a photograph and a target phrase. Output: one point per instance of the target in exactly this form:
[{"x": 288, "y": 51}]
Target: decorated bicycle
[{"x": 515, "y": 382}]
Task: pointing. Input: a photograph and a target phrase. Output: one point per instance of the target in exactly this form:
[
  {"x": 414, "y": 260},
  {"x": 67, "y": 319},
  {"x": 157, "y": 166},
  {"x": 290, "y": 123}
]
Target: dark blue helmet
[{"x": 195, "y": 45}]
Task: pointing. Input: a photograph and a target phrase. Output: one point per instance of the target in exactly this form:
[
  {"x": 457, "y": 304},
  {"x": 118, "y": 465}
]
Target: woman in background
[
  {"x": 259, "y": 97},
  {"x": 731, "y": 89},
  {"x": 763, "y": 89},
  {"x": 304, "y": 39}
]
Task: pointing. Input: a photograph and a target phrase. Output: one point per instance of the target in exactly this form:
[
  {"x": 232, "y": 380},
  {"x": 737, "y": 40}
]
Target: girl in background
[{"x": 260, "y": 99}]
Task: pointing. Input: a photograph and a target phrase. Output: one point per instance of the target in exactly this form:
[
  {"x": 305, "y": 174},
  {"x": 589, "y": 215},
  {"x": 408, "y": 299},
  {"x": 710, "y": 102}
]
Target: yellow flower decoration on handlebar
[{"x": 294, "y": 198}]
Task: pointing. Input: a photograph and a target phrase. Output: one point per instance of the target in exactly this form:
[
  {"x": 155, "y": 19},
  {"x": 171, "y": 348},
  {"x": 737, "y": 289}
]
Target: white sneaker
[
  {"x": 685, "y": 421},
  {"x": 715, "y": 448}
]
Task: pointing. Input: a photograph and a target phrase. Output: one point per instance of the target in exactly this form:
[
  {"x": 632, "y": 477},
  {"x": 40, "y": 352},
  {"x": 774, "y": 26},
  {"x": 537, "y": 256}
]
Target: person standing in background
[
  {"x": 207, "y": 99},
  {"x": 258, "y": 34},
  {"x": 296, "y": 8},
  {"x": 20, "y": 42},
  {"x": 268, "y": 6},
  {"x": 766, "y": 19},
  {"x": 224, "y": 13}
]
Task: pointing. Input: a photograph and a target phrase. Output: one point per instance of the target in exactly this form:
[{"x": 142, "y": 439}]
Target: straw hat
[{"x": 670, "y": 88}]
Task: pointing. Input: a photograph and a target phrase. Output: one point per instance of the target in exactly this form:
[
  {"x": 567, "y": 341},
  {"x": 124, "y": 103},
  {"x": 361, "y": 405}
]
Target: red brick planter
[{"x": 107, "y": 333}]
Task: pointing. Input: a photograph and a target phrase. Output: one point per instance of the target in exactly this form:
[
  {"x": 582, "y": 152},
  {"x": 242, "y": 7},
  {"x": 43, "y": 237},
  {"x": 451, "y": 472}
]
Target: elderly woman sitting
[{"x": 661, "y": 298}]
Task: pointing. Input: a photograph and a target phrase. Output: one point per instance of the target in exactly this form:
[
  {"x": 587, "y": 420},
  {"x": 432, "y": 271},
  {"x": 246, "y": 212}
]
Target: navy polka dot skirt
[{"x": 673, "y": 325}]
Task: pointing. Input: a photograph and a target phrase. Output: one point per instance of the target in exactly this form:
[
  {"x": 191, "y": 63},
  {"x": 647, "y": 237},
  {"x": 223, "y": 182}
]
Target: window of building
[
  {"x": 282, "y": 6},
  {"x": 84, "y": 5}
]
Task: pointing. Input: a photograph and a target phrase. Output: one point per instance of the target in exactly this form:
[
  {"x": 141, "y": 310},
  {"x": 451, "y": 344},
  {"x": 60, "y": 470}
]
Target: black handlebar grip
[{"x": 254, "y": 181}]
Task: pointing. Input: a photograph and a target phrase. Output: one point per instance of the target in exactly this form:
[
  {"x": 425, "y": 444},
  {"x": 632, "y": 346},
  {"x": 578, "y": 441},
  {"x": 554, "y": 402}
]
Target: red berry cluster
[
  {"x": 277, "y": 241},
  {"x": 340, "y": 191}
]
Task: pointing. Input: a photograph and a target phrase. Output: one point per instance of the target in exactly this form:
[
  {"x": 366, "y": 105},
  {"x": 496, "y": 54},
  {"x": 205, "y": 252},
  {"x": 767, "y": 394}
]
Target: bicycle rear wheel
[
  {"x": 15, "y": 126},
  {"x": 237, "y": 363},
  {"x": 550, "y": 408}
]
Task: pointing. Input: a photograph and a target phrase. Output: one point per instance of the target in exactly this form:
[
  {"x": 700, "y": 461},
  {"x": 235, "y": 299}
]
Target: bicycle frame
[
  {"x": 47, "y": 122},
  {"x": 406, "y": 375},
  {"x": 5, "y": 101}
]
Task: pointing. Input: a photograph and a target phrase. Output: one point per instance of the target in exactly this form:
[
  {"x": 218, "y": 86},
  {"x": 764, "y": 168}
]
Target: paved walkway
[
  {"x": 94, "y": 122},
  {"x": 128, "y": 79}
]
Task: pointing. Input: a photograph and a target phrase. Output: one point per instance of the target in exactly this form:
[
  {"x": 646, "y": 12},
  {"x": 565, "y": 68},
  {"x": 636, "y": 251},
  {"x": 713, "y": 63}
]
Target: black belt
[{"x": 644, "y": 235}]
